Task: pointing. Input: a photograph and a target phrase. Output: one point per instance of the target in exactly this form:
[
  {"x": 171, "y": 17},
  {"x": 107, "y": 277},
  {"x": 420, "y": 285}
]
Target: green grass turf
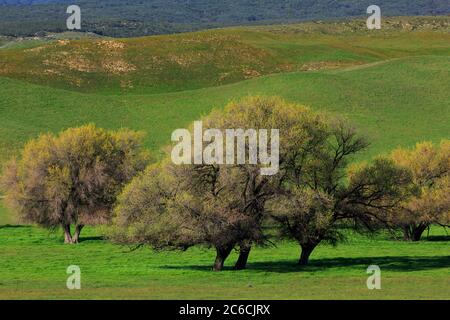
[{"x": 33, "y": 264}]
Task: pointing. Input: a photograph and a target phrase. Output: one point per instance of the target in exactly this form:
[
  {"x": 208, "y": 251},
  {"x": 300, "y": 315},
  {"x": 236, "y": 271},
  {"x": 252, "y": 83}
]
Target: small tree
[
  {"x": 72, "y": 178},
  {"x": 319, "y": 191},
  {"x": 306, "y": 215},
  {"x": 429, "y": 198}
]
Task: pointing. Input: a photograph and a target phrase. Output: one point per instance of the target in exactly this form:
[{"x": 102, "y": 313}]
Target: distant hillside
[
  {"x": 169, "y": 63},
  {"x": 397, "y": 102},
  {"x": 129, "y": 18}
]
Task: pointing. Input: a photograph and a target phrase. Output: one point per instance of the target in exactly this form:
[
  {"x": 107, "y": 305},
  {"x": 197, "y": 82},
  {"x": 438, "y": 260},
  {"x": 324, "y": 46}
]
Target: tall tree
[{"x": 72, "y": 178}]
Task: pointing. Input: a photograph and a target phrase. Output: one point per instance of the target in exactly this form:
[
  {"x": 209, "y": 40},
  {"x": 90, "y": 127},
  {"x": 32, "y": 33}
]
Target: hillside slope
[
  {"x": 396, "y": 102},
  {"x": 163, "y": 64}
]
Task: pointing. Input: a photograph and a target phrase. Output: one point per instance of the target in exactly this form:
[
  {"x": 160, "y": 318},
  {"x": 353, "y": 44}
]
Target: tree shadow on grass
[
  {"x": 11, "y": 226},
  {"x": 96, "y": 238},
  {"x": 438, "y": 238},
  {"x": 388, "y": 263},
  {"x": 205, "y": 267}
]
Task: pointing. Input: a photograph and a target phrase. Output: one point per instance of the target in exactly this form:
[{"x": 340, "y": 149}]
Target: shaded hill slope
[{"x": 132, "y": 18}]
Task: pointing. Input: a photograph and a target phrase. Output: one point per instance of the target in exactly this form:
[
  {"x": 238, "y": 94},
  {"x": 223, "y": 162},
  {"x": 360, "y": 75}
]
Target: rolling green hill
[
  {"x": 396, "y": 102},
  {"x": 212, "y": 58},
  {"x": 393, "y": 84}
]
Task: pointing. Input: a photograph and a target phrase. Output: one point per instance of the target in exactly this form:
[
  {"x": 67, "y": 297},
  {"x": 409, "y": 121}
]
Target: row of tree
[{"x": 85, "y": 176}]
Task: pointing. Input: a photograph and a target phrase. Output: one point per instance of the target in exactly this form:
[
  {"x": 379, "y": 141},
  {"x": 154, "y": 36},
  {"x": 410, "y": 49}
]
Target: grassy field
[
  {"x": 394, "y": 85},
  {"x": 408, "y": 270}
]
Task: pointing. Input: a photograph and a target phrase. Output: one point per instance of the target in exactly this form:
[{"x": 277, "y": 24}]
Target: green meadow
[
  {"x": 393, "y": 85},
  {"x": 34, "y": 262}
]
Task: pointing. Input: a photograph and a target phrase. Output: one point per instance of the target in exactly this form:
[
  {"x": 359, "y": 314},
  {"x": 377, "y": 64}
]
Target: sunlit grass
[{"x": 33, "y": 264}]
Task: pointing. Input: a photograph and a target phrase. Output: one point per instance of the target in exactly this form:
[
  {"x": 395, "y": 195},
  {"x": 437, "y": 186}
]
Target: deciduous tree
[
  {"x": 72, "y": 178},
  {"x": 429, "y": 199},
  {"x": 218, "y": 205}
]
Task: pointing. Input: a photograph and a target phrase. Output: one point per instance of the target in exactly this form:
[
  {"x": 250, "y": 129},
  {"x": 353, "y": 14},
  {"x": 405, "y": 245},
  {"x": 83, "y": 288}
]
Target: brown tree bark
[
  {"x": 76, "y": 236},
  {"x": 222, "y": 254},
  {"x": 244, "y": 252},
  {"x": 417, "y": 234},
  {"x": 67, "y": 234},
  {"x": 414, "y": 232},
  {"x": 306, "y": 251}
]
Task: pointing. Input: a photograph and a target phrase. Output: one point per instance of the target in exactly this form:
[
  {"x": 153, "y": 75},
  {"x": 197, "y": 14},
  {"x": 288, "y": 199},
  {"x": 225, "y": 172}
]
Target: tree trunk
[
  {"x": 76, "y": 236},
  {"x": 222, "y": 254},
  {"x": 414, "y": 232},
  {"x": 306, "y": 251},
  {"x": 244, "y": 252},
  {"x": 417, "y": 234},
  {"x": 406, "y": 233},
  {"x": 67, "y": 234}
]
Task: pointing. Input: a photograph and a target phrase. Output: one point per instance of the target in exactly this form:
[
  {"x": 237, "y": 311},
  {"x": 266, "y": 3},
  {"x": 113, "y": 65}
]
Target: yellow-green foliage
[
  {"x": 429, "y": 201},
  {"x": 72, "y": 177}
]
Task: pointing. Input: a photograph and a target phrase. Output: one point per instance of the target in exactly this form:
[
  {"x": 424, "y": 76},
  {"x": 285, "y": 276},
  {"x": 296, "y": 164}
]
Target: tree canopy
[
  {"x": 428, "y": 199},
  {"x": 73, "y": 177}
]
